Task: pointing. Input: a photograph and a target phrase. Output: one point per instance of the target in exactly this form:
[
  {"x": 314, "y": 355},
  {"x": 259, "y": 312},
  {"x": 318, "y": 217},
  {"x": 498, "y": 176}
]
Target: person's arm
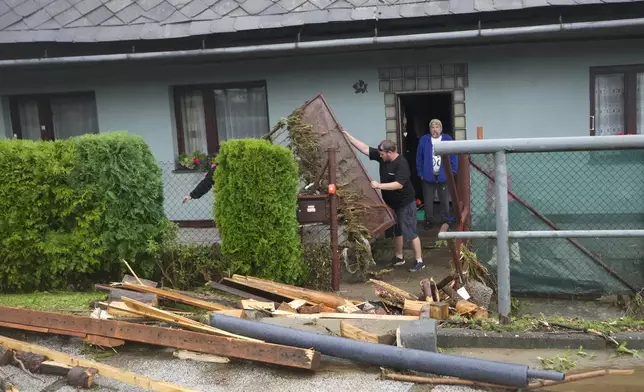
[
  {"x": 420, "y": 157},
  {"x": 203, "y": 187},
  {"x": 390, "y": 186},
  {"x": 361, "y": 146},
  {"x": 402, "y": 176},
  {"x": 454, "y": 161}
]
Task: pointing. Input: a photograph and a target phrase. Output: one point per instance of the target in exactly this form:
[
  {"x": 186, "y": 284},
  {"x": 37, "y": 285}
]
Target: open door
[{"x": 401, "y": 126}]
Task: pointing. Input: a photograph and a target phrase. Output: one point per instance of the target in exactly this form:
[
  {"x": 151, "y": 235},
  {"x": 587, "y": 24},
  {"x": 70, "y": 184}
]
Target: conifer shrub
[
  {"x": 256, "y": 186},
  {"x": 70, "y": 210}
]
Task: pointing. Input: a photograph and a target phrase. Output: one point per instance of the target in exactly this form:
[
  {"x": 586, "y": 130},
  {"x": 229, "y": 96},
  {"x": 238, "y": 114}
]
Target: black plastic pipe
[{"x": 387, "y": 356}]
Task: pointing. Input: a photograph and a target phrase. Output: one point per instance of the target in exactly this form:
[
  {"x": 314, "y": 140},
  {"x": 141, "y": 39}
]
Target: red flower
[{"x": 196, "y": 161}]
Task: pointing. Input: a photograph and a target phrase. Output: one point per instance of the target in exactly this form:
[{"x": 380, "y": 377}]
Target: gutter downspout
[{"x": 334, "y": 43}]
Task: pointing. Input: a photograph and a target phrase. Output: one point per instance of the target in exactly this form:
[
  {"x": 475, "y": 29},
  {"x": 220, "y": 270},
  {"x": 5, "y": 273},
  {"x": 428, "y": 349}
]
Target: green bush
[
  {"x": 255, "y": 209},
  {"x": 186, "y": 266},
  {"x": 71, "y": 209}
]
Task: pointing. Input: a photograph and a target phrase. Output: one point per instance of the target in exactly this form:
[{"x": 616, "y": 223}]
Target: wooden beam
[
  {"x": 314, "y": 297},
  {"x": 177, "y": 338},
  {"x": 103, "y": 341},
  {"x": 356, "y": 330},
  {"x": 251, "y": 304},
  {"x": 115, "y": 294},
  {"x": 104, "y": 370},
  {"x": 412, "y": 308},
  {"x": 353, "y": 316},
  {"x": 176, "y": 297},
  {"x": 159, "y": 314},
  {"x": 236, "y": 292},
  {"x": 131, "y": 279}
]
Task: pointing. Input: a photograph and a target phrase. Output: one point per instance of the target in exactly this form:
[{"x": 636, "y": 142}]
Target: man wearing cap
[
  {"x": 398, "y": 192},
  {"x": 431, "y": 171}
]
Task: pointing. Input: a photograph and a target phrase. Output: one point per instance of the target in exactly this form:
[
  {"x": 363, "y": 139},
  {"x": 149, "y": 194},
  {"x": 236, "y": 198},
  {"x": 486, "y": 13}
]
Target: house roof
[{"x": 120, "y": 20}]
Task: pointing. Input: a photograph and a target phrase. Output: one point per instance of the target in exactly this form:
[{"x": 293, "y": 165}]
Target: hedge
[
  {"x": 71, "y": 209},
  {"x": 255, "y": 209}
]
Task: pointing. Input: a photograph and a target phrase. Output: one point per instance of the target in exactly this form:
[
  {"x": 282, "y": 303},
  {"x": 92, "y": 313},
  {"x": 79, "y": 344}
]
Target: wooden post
[{"x": 333, "y": 218}]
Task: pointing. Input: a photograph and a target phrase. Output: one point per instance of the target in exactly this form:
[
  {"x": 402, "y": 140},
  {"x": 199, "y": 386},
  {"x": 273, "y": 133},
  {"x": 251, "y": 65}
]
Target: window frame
[
  {"x": 630, "y": 94},
  {"x": 210, "y": 113},
  {"x": 45, "y": 114}
]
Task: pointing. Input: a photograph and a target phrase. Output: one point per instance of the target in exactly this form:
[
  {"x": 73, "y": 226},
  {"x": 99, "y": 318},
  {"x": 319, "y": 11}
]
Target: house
[{"x": 188, "y": 74}]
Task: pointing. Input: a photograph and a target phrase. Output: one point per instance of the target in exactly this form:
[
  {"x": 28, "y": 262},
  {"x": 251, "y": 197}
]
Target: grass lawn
[{"x": 64, "y": 302}]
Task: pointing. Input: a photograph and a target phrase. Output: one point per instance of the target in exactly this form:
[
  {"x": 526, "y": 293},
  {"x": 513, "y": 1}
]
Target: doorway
[{"x": 415, "y": 112}]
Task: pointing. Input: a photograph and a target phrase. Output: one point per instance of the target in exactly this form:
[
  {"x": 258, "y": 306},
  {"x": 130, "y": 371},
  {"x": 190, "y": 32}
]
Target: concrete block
[{"x": 418, "y": 335}]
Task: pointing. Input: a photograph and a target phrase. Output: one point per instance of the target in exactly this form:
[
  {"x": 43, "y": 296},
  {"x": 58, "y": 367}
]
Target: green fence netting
[{"x": 585, "y": 190}]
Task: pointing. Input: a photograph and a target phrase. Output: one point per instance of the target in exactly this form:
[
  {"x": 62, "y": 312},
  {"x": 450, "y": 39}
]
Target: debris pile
[{"x": 207, "y": 327}]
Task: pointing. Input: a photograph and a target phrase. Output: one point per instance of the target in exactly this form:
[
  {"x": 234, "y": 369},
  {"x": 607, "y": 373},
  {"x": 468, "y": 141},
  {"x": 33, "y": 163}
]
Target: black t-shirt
[{"x": 396, "y": 170}]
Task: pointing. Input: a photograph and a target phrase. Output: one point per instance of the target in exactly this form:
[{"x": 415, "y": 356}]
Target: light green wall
[{"x": 525, "y": 90}]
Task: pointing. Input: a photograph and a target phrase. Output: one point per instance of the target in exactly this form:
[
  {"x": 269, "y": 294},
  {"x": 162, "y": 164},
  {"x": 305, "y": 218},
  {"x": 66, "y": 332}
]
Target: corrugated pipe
[{"x": 334, "y": 43}]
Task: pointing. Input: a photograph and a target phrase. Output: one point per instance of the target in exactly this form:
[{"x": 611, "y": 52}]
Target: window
[
  {"x": 616, "y": 100},
  {"x": 51, "y": 117},
  {"x": 210, "y": 114}
]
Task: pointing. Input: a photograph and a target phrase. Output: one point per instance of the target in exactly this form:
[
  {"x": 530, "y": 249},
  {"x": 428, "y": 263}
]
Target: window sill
[{"x": 188, "y": 171}]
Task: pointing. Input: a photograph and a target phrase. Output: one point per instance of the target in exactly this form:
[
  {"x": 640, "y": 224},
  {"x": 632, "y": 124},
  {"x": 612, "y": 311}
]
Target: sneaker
[
  {"x": 417, "y": 267},
  {"x": 397, "y": 262}
]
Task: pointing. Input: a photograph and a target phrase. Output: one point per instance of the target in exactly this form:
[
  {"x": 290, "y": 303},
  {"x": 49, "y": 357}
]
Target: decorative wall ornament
[{"x": 360, "y": 87}]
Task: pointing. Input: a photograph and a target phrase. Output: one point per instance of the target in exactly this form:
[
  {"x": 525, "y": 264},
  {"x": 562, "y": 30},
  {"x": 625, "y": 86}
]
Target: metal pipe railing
[
  {"x": 543, "y": 234},
  {"x": 500, "y": 148},
  {"x": 545, "y": 144}
]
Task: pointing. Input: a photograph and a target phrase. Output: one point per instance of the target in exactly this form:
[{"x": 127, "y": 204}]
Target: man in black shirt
[{"x": 398, "y": 192}]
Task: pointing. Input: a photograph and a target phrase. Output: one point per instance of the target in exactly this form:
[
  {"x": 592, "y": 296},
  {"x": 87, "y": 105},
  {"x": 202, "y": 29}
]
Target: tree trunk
[
  {"x": 31, "y": 361},
  {"x": 6, "y": 356},
  {"x": 81, "y": 377}
]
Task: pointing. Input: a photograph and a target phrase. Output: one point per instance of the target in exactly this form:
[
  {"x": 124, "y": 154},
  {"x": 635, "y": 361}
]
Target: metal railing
[{"x": 501, "y": 148}]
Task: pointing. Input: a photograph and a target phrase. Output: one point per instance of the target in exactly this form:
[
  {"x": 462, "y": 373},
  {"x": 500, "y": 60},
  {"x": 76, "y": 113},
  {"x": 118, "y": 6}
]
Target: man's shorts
[{"x": 406, "y": 222}]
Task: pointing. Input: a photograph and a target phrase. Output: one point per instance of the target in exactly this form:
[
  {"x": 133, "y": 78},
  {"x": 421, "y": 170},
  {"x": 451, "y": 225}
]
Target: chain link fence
[
  {"x": 579, "y": 190},
  {"x": 194, "y": 217}
]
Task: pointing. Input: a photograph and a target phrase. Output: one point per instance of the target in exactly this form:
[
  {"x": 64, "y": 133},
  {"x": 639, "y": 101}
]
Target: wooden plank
[
  {"x": 315, "y": 297},
  {"x": 119, "y": 309},
  {"x": 131, "y": 279},
  {"x": 160, "y": 336},
  {"x": 251, "y": 304},
  {"x": 115, "y": 294},
  {"x": 357, "y": 330},
  {"x": 348, "y": 307},
  {"x": 297, "y": 303},
  {"x": 284, "y": 306},
  {"x": 184, "y": 322},
  {"x": 391, "y": 293},
  {"x": 239, "y": 313},
  {"x": 439, "y": 310},
  {"x": 353, "y": 316},
  {"x": 184, "y": 354},
  {"x": 176, "y": 297},
  {"x": 122, "y": 375},
  {"x": 102, "y": 341},
  {"x": 24, "y": 327},
  {"x": 236, "y": 292},
  {"x": 412, "y": 308}
]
